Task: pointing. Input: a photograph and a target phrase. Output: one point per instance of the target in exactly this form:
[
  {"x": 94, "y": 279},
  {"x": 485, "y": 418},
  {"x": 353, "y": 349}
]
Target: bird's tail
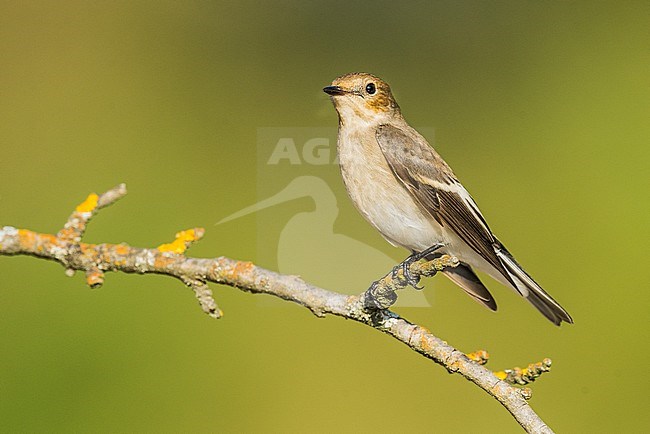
[
  {"x": 463, "y": 276},
  {"x": 534, "y": 293}
]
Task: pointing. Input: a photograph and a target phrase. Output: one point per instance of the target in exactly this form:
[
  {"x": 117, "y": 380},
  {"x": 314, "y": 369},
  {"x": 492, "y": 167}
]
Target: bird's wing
[{"x": 435, "y": 188}]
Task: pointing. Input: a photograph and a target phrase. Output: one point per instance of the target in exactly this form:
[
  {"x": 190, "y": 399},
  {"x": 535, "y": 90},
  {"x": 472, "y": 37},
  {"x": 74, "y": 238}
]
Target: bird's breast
[{"x": 379, "y": 196}]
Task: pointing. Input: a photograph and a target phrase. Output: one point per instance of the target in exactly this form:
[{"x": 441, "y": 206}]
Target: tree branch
[{"x": 169, "y": 259}]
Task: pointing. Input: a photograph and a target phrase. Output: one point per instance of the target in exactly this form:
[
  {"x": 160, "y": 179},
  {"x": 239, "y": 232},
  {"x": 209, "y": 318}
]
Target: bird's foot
[
  {"x": 405, "y": 266},
  {"x": 381, "y": 294}
]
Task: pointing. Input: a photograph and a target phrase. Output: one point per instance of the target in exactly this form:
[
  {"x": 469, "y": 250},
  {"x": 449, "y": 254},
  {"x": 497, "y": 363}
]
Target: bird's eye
[{"x": 370, "y": 88}]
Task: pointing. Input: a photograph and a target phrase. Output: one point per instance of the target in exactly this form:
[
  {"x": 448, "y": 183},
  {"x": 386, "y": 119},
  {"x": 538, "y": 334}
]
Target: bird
[{"x": 406, "y": 191}]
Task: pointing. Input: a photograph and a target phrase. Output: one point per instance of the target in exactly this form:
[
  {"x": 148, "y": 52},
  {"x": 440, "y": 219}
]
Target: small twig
[
  {"x": 204, "y": 296},
  {"x": 94, "y": 277},
  {"x": 75, "y": 227},
  {"x": 168, "y": 259},
  {"x": 182, "y": 241},
  {"x": 526, "y": 375}
]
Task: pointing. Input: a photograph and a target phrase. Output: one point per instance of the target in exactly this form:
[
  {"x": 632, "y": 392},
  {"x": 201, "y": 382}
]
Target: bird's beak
[{"x": 334, "y": 90}]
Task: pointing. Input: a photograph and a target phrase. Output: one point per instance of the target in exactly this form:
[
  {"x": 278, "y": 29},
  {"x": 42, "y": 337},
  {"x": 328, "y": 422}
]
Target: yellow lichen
[
  {"x": 180, "y": 244},
  {"x": 501, "y": 375},
  {"x": 89, "y": 204},
  {"x": 121, "y": 249},
  {"x": 481, "y": 357},
  {"x": 242, "y": 267},
  {"x": 27, "y": 238},
  {"x": 162, "y": 262}
]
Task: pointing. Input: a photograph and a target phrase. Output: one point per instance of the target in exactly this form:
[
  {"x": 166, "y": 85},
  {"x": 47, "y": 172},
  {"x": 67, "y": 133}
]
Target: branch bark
[{"x": 169, "y": 259}]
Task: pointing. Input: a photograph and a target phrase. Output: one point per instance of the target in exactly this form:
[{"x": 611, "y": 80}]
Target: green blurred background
[{"x": 541, "y": 108}]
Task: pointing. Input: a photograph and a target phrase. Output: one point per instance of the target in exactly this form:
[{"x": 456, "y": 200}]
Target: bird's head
[{"x": 363, "y": 96}]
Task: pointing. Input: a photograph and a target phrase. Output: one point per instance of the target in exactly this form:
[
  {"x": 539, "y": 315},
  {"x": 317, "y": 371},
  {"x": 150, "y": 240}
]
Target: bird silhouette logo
[{"x": 309, "y": 247}]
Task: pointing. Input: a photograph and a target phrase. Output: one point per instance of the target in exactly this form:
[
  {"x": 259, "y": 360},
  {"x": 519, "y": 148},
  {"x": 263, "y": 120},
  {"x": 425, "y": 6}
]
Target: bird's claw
[
  {"x": 415, "y": 257},
  {"x": 408, "y": 276}
]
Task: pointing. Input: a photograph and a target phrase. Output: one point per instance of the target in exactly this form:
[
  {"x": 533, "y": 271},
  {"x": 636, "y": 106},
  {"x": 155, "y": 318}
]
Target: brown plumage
[{"x": 412, "y": 197}]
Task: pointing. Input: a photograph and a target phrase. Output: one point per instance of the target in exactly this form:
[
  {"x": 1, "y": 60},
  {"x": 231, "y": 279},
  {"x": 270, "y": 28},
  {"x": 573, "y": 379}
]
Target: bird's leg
[{"x": 413, "y": 258}]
